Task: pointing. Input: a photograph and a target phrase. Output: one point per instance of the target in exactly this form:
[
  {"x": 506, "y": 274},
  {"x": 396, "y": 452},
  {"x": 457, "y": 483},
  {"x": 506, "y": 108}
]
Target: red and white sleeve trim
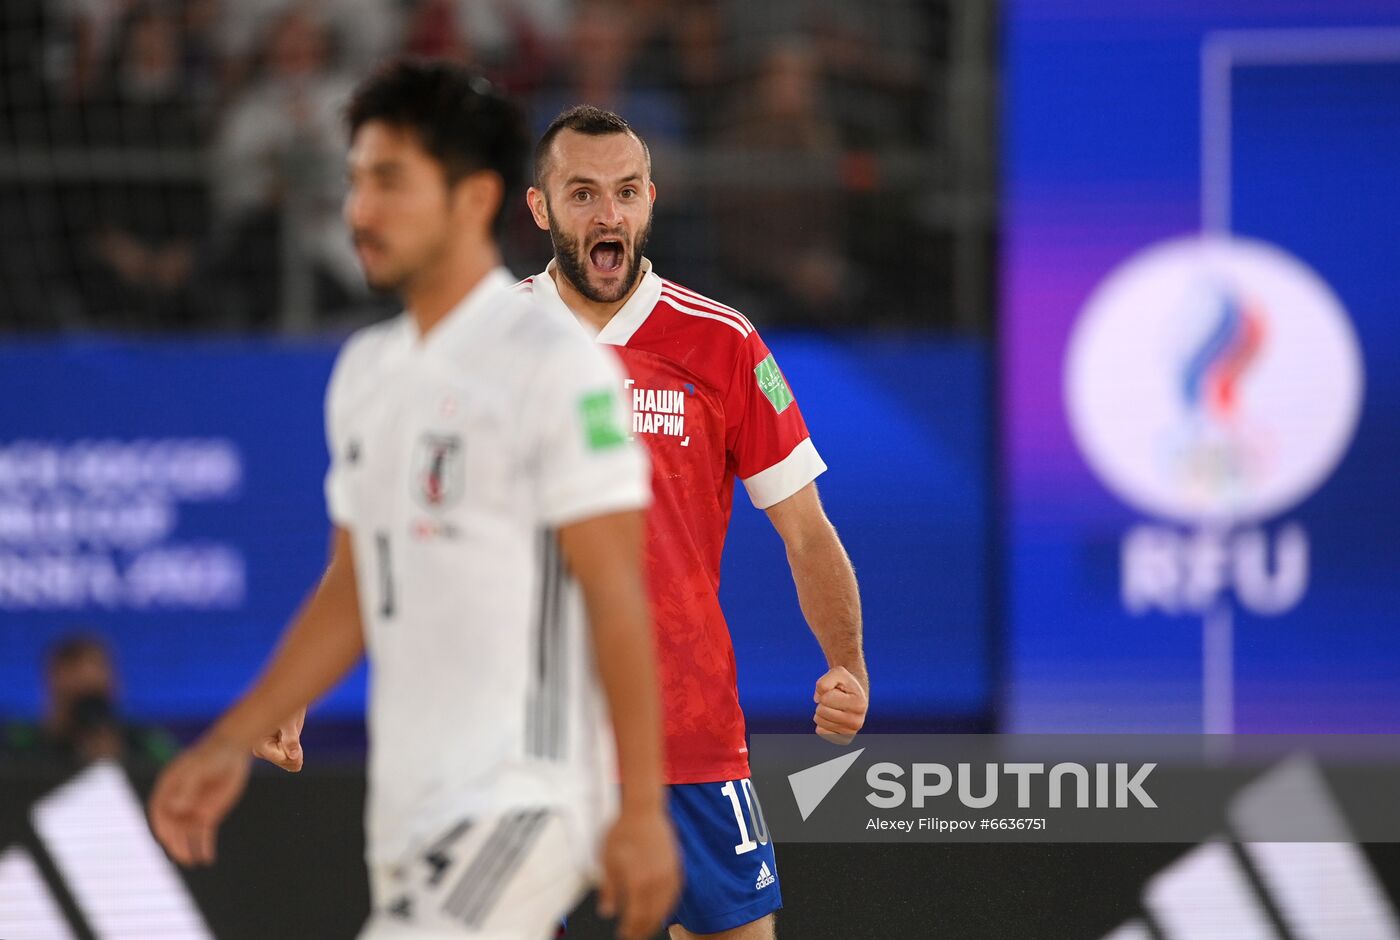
[{"x": 775, "y": 484}]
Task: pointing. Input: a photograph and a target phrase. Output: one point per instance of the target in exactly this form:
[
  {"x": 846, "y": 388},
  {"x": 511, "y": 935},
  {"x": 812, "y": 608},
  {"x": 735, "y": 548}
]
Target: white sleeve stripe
[
  {"x": 691, "y": 311},
  {"x": 787, "y": 476},
  {"x": 700, "y": 303},
  {"x": 706, "y": 301}
]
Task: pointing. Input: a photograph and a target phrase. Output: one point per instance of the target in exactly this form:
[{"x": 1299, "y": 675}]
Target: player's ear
[
  {"x": 477, "y": 196},
  {"x": 539, "y": 207},
  {"x": 651, "y": 193}
]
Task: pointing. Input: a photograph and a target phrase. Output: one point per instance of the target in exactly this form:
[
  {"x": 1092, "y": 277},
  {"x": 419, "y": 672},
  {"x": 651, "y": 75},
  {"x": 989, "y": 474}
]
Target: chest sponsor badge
[
  {"x": 772, "y": 384},
  {"x": 660, "y": 411},
  {"x": 437, "y": 470}
]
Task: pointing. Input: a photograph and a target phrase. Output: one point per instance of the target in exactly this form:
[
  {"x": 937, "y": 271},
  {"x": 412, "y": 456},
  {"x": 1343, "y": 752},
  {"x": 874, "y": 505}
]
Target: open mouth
[
  {"x": 607, "y": 255},
  {"x": 367, "y": 246}
]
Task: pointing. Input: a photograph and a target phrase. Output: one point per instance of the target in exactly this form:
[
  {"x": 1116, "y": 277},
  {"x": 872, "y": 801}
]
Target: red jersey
[{"x": 711, "y": 404}]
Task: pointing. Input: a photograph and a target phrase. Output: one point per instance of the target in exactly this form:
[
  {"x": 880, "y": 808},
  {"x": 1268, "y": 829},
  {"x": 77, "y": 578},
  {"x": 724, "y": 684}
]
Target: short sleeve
[
  {"x": 337, "y": 484},
  {"x": 587, "y": 461},
  {"x": 764, "y": 431}
]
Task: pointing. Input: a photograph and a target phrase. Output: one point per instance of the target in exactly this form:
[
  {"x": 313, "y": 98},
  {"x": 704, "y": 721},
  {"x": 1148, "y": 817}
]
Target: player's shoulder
[
  {"x": 707, "y": 338},
  {"x": 368, "y": 346},
  {"x": 549, "y": 339},
  {"x": 541, "y": 327},
  {"x": 691, "y": 310}
]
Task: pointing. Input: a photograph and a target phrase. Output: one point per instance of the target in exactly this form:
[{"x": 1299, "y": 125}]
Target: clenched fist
[{"x": 841, "y": 705}]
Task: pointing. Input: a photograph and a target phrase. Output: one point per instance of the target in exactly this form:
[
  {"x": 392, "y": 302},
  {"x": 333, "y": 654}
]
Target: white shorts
[{"x": 511, "y": 876}]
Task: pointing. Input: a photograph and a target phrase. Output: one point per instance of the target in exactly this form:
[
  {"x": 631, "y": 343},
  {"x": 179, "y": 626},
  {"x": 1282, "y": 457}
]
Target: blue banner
[
  {"x": 168, "y": 496},
  {"x": 1198, "y": 360}
]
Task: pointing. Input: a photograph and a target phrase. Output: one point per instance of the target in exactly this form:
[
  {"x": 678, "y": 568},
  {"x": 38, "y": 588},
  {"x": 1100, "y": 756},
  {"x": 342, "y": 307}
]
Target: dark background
[{"x": 290, "y": 867}]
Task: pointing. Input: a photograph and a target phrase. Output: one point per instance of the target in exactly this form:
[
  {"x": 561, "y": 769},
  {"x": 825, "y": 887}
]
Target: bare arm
[
  {"x": 640, "y": 864},
  {"x": 322, "y": 644},
  {"x": 199, "y": 787},
  {"x": 282, "y": 745},
  {"x": 830, "y": 601}
]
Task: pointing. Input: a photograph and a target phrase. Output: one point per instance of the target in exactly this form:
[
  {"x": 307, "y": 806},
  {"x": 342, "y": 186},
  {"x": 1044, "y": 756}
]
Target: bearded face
[
  {"x": 595, "y": 199},
  {"x": 603, "y": 268}
]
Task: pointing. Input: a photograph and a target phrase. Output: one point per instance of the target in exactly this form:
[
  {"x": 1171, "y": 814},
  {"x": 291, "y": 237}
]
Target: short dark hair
[
  {"x": 73, "y": 647},
  {"x": 586, "y": 119},
  {"x": 460, "y": 119}
]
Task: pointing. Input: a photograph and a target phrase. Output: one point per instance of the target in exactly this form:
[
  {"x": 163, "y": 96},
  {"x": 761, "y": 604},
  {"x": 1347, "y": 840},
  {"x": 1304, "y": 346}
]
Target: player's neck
[
  {"x": 596, "y": 315},
  {"x": 436, "y": 291}
]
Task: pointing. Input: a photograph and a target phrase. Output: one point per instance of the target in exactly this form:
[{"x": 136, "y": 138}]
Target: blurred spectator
[
  {"x": 433, "y": 32},
  {"x": 35, "y": 286},
  {"x": 81, "y": 721},
  {"x": 138, "y": 247},
  {"x": 497, "y": 28},
  {"x": 603, "y": 44},
  {"x": 34, "y": 38},
  {"x": 278, "y": 173},
  {"x": 97, "y": 41},
  {"x": 779, "y": 234},
  {"x": 440, "y": 29},
  {"x": 92, "y": 42},
  {"x": 366, "y": 32},
  {"x": 178, "y": 163},
  {"x": 701, "y": 63},
  {"x": 199, "y": 19},
  {"x": 874, "y": 58}
]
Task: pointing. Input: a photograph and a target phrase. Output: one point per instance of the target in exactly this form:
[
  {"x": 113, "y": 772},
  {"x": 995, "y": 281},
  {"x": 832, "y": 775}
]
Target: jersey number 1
[{"x": 386, "y": 575}]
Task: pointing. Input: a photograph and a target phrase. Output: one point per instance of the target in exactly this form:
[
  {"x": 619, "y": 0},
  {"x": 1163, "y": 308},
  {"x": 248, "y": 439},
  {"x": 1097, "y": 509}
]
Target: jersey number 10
[{"x": 747, "y": 843}]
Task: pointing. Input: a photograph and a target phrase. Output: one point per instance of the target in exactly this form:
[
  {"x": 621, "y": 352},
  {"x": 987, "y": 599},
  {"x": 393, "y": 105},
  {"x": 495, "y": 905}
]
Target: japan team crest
[{"x": 437, "y": 470}]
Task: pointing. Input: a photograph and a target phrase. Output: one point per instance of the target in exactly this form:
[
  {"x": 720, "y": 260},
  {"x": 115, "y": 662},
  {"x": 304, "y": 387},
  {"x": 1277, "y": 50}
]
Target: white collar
[
  {"x": 628, "y": 319},
  {"x": 477, "y": 300}
]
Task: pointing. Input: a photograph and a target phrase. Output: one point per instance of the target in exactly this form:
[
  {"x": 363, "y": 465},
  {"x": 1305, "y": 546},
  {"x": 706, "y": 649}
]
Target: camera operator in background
[{"x": 81, "y": 723}]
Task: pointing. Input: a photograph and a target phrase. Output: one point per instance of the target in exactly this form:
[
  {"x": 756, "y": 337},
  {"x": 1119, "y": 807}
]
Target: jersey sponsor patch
[
  {"x": 438, "y": 470},
  {"x": 772, "y": 384},
  {"x": 660, "y": 411},
  {"x": 601, "y": 427}
]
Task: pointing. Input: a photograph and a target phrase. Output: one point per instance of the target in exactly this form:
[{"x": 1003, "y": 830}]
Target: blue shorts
[{"x": 731, "y": 875}]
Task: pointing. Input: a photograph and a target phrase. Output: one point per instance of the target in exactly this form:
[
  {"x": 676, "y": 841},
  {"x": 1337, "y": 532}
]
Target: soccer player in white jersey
[
  {"x": 712, "y": 405},
  {"x": 484, "y": 492}
]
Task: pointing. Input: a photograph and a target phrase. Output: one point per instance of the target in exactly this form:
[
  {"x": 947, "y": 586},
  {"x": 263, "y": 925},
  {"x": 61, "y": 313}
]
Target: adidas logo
[
  {"x": 765, "y": 876},
  {"x": 1239, "y": 885},
  {"x": 115, "y": 881}
]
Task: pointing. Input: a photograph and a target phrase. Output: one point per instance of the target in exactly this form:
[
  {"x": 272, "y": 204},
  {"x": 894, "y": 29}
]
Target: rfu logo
[{"x": 1213, "y": 381}]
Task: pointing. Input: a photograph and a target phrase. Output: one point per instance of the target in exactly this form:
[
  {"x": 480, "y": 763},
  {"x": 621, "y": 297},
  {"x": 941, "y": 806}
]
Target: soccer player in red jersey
[{"x": 711, "y": 404}]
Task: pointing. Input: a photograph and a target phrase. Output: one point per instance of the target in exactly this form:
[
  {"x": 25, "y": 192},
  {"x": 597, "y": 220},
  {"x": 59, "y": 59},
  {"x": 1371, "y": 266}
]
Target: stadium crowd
[{"x": 177, "y": 164}]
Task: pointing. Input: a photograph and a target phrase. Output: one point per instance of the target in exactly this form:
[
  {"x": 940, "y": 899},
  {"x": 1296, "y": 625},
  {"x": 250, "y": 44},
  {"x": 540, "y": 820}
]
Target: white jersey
[{"x": 453, "y": 461}]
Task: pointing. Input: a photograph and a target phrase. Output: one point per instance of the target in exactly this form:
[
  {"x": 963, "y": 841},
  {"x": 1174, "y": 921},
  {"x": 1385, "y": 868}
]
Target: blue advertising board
[
  {"x": 1198, "y": 366},
  {"x": 168, "y": 495}
]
